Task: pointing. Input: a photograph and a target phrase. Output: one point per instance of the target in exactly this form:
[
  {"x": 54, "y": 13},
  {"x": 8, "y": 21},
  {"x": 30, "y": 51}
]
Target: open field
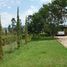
[{"x": 41, "y": 53}]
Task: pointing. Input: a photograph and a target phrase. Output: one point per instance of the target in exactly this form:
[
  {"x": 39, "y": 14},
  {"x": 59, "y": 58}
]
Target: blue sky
[{"x": 8, "y": 9}]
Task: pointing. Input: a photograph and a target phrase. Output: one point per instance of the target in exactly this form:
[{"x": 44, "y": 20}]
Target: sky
[{"x": 8, "y": 9}]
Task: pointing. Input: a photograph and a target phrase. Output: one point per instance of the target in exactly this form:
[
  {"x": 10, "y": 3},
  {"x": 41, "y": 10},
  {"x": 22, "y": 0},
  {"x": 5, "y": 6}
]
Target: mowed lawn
[{"x": 45, "y": 53}]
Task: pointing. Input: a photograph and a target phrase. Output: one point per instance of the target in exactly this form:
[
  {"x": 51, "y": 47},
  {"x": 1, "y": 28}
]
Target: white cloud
[
  {"x": 8, "y": 7},
  {"x": 6, "y": 3},
  {"x": 30, "y": 11},
  {"x": 6, "y": 19},
  {"x": 45, "y": 1}
]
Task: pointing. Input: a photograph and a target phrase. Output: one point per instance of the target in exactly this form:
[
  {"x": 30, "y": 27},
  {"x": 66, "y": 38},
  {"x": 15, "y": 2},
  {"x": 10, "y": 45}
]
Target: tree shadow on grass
[{"x": 43, "y": 38}]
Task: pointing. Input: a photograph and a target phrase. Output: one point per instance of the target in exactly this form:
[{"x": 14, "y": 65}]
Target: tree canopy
[{"x": 48, "y": 18}]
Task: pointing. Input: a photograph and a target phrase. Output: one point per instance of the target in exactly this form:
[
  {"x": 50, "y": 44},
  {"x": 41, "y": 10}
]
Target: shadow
[{"x": 43, "y": 38}]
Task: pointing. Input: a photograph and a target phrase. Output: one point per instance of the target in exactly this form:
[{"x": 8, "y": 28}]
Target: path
[{"x": 62, "y": 40}]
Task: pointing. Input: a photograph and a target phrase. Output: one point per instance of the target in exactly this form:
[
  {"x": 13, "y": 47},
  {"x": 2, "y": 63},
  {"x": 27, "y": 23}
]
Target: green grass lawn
[{"x": 44, "y": 53}]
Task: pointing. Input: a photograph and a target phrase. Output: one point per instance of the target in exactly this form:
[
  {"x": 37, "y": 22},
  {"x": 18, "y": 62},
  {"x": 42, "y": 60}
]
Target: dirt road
[{"x": 62, "y": 40}]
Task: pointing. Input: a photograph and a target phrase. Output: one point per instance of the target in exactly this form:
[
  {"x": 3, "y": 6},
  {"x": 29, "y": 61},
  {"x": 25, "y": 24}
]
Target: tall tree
[
  {"x": 1, "y": 50},
  {"x": 26, "y": 30},
  {"x": 35, "y": 25},
  {"x": 49, "y": 17},
  {"x": 57, "y": 12},
  {"x": 18, "y": 28}
]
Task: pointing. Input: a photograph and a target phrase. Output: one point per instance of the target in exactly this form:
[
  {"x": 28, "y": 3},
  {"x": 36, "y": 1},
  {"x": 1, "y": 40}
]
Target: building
[{"x": 63, "y": 30}]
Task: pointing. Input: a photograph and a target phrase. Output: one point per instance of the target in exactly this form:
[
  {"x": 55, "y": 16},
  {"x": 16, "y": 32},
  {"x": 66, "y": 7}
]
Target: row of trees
[
  {"x": 48, "y": 18},
  {"x": 14, "y": 30}
]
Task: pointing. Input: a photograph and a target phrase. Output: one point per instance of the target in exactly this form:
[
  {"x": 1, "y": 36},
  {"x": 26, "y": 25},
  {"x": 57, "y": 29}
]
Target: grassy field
[{"x": 41, "y": 53}]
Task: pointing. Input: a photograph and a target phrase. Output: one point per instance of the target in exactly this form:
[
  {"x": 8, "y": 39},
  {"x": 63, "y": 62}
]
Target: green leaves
[
  {"x": 1, "y": 51},
  {"x": 48, "y": 18},
  {"x": 18, "y": 28}
]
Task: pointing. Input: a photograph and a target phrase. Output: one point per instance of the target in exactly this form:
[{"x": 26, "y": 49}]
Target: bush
[{"x": 8, "y": 39}]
